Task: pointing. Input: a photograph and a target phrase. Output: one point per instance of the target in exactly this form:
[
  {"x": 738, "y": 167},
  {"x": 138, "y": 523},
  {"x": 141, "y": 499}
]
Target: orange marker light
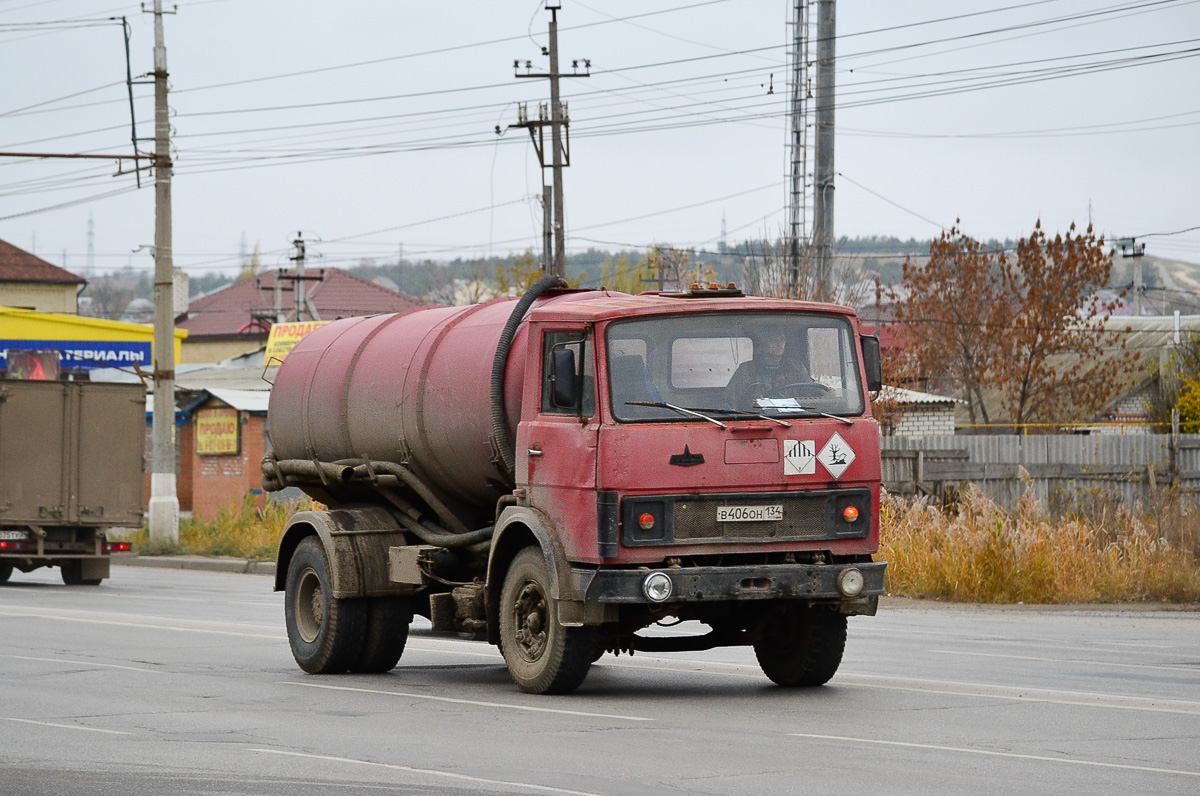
[
  {"x": 850, "y": 514},
  {"x": 646, "y": 521}
]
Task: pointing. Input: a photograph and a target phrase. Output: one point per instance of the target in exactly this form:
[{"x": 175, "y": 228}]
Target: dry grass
[
  {"x": 1103, "y": 551},
  {"x": 242, "y": 531}
]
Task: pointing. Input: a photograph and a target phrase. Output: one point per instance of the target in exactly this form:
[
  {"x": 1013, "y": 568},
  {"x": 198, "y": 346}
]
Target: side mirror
[
  {"x": 872, "y": 361},
  {"x": 564, "y": 385}
]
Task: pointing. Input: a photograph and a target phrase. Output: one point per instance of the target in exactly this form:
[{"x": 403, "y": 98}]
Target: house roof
[
  {"x": 231, "y": 312},
  {"x": 18, "y": 265},
  {"x": 902, "y": 396}
]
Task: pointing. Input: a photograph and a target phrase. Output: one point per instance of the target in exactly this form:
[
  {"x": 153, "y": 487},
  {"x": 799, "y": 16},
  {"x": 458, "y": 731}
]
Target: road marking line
[
  {"x": 65, "y": 726},
  {"x": 989, "y": 753},
  {"x": 82, "y": 663},
  {"x": 985, "y": 691},
  {"x": 1190, "y": 669},
  {"x": 477, "y": 703},
  {"x": 133, "y": 620},
  {"x": 429, "y": 772}
]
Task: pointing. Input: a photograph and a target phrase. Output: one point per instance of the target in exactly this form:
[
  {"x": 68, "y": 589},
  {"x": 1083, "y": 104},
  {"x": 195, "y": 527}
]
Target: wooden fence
[{"x": 1058, "y": 467}]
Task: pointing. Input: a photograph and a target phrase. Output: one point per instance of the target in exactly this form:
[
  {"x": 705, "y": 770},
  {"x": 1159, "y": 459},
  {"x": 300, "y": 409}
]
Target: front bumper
[{"x": 727, "y": 584}]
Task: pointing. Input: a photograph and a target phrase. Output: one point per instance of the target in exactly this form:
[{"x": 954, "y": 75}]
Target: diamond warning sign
[
  {"x": 836, "y": 456},
  {"x": 799, "y": 457}
]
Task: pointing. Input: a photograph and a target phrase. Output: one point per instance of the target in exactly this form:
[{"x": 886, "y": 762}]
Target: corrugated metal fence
[{"x": 1126, "y": 466}]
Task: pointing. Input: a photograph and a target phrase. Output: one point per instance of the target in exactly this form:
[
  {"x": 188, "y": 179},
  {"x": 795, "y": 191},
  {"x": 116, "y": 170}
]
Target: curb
[{"x": 199, "y": 563}]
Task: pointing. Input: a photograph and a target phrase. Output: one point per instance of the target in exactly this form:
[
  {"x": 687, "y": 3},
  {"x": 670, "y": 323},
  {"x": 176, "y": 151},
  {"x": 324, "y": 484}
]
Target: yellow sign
[
  {"x": 283, "y": 339},
  {"x": 217, "y": 432}
]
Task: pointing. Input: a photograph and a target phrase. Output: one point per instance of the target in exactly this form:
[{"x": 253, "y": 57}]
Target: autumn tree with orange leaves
[{"x": 1021, "y": 339}]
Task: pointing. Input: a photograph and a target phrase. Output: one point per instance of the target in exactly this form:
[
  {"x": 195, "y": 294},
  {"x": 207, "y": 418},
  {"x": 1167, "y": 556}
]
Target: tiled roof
[
  {"x": 18, "y": 265},
  {"x": 340, "y": 294}
]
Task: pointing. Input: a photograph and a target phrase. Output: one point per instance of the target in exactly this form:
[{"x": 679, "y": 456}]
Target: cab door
[{"x": 556, "y": 446}]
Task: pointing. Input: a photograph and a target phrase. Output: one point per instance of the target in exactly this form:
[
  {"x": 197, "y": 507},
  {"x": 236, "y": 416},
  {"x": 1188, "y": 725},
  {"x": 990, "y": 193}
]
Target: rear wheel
[
  {"x": 72, "y": 574},
  {"x": 801, "y": 646},
  {"x": 6, "y": 571},
  {"x": 326, "y": 634},
  {"x": 386, "y": 633},
  {"x": 543, "y": 656}
]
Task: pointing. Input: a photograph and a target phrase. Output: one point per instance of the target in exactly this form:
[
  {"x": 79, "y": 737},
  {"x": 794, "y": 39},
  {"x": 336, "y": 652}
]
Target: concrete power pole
[
  {"x": 559, "y": 124},
  {"x": 798, "y": 143},
  {"x": 164, "y": 501},
  {"x": 823, "y": 179}
]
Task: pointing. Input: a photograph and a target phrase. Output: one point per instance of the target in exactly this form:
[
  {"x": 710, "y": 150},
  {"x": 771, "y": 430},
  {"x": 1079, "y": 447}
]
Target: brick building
[{"x": 909, "y": 413}]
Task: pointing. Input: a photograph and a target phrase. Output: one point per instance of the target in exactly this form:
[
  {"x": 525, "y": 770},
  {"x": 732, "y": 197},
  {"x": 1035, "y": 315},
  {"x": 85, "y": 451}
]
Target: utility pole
[
  {"x": 797, "y": 143},
  {"x": 1130, "y": 248},
  {"x": 164, "y": 501},
  {"x": 823, "y": 179},
  {"x": 559, "y": 123},
  {"x": 303, "y": 302}
]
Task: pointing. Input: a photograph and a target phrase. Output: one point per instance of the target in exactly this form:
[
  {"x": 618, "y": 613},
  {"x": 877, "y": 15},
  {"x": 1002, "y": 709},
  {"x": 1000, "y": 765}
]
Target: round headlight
[
  {"x": 850, "y": 582},
  {"x": 657, "y": 587}
]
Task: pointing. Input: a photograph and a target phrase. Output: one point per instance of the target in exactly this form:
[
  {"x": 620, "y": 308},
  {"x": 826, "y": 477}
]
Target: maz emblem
[{"x": 687, "y": 458}]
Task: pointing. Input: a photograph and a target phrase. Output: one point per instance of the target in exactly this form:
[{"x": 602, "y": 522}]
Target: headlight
[
  {"x": 850, "y": 582},
  {"x": 657, "y": 587}
]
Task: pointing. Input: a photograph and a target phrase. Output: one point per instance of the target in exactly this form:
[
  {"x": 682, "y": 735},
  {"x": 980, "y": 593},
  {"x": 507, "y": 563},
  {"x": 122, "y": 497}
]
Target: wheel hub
[
  {"x": 529, "y": 615},
  {"x": 310, "y": 606}
]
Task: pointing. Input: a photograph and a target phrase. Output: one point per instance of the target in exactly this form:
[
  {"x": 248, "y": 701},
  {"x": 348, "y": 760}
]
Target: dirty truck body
[
  {"x": 71, "y": 468},
  {"x": 559, "y": 473}
]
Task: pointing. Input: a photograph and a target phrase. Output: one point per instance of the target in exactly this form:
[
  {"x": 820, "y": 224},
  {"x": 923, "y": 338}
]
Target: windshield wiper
[
  {"x": 813, "y": 411},
  {"x": 783, "y": 423},
  {"x": 680, "y": 409}
]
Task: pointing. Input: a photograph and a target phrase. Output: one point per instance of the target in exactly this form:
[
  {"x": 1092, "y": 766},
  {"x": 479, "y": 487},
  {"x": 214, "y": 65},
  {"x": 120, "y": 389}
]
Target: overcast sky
[{"x": 369, "y": 125}]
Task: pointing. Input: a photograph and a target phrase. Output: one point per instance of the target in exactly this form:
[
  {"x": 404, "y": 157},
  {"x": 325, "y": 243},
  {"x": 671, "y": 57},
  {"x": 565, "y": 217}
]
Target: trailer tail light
[
  {"x": 646, "y": 521},
  {"x": 117, "y": 547},
  {"x": 850, "y": 513}
]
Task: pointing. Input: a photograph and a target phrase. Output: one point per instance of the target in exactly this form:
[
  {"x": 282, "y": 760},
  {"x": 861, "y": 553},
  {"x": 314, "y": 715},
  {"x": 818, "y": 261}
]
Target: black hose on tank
[{"x": 504, "y": 445}]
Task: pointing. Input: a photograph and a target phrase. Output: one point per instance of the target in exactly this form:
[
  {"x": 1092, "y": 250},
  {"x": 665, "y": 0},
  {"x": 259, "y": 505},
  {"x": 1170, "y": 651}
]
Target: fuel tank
[{"x": 411, "y": 388}]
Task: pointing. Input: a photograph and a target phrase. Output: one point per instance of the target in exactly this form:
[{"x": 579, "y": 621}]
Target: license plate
[
  {"x": 12, "y": 535},
  {"x": 749, "y": 513}
]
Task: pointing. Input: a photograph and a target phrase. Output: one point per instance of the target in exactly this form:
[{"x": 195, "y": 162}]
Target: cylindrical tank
[{"x": 411, "y": 387}]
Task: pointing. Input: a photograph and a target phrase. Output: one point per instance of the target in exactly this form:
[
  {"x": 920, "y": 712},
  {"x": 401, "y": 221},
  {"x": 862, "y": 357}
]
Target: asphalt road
[{"x": 181, "y": 682}]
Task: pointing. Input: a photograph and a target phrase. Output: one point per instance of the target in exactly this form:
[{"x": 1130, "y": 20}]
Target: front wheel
[
  {"x": 801, "y": 646},
  {"x": 326, "y": 634},
  {"x": 543, "y": 656}
]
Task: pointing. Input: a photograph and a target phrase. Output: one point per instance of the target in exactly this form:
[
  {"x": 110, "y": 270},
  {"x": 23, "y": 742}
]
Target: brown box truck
[
  {"x": 71, "y": 467},
  {"x": 560, "y": 472}
]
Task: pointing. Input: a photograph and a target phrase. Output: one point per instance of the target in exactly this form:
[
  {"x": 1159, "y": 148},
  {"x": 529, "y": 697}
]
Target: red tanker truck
[{"x": 559, "y": 472}]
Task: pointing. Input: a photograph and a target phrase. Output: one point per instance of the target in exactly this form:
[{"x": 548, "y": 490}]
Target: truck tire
[
  {"x": 801, "y": 646},
  {"x": 6, "y": 570},
  {"x": 72, "y": 574},
  {"x": 326, "y": 634},
  {"x": 543, "y": 657},
  {"x": 386, "y": 633}
]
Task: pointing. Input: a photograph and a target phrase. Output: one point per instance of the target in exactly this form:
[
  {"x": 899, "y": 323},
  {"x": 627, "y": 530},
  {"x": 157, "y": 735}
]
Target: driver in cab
[{"x": 770, "y": 374}]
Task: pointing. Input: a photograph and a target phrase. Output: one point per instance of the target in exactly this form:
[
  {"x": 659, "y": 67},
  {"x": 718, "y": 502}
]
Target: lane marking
[
  {"x": 1189, "y": 669},
  {"x": 989, "y": 753},
  {"x": 429, "y": 772},
  {"x": 138, "y": 621},
  {"x": 1051, "y": 696},
  {"x": 83, "y": 663},
  {"x": 1033, "y": 641},
  {"x": 474, "y": 702},
  {"x": 65, "y": 726},
  {"x": 943, "y": 687}
]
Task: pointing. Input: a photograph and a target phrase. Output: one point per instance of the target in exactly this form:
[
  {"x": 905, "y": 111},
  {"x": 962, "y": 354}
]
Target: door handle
[{"x": 535, "y": 451}]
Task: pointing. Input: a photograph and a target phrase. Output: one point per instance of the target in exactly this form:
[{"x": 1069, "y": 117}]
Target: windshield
[{"x": 776, "y": 364}]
